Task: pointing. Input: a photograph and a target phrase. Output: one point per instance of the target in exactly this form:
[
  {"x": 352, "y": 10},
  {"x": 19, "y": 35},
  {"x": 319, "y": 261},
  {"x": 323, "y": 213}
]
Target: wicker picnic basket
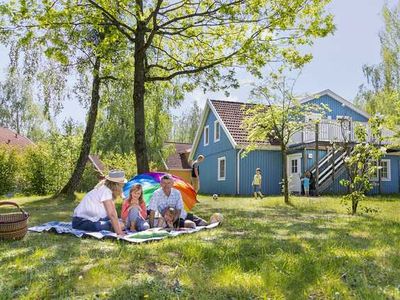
[{"x": 13, "y": 226}]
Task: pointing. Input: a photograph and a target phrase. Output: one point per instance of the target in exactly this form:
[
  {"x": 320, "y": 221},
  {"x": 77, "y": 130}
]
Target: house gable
[
  {"x": 338, "y": 106},
  {"x": 209, "y": 118}
]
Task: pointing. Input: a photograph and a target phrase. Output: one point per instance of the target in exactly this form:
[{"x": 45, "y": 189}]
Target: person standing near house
[
  {"x": 306, "y": 183},
  {"x": 257, "y": 180},
  {"x": 195, "y": 179}
]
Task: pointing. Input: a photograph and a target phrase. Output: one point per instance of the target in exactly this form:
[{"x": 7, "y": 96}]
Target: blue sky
[{"x": 337, "y": 63}]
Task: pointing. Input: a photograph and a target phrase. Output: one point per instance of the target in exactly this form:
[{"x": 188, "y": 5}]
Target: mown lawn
[{"x": 264, "y": 250}]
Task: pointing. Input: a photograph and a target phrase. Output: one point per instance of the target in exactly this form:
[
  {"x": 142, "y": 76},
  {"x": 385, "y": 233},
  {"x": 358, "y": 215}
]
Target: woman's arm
[{"x": 113, "y": 216}]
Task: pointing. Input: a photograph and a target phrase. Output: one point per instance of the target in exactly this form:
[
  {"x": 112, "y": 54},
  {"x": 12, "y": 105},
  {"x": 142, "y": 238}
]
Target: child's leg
[
  {"x": 255, "y": 191},
  {"x": 132, "y": 218},
  {"x": 258, "y": 190},
  {"x": 141, "y": 224},
  {"x": 189, "y": 224},
  {"x": 306, "y": 191}
]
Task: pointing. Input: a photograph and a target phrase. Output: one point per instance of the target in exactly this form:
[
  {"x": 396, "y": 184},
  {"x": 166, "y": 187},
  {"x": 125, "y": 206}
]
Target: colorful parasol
[{"x": 151, "y": 182}]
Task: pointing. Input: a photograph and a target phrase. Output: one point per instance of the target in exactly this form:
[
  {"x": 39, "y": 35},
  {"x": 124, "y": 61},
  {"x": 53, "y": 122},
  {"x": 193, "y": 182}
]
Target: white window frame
[
  {"x": 215, "y": 131},
  {"x": 206, "y": 130},
  {"x": 389, "y": 172},
  {"x": 223, "y": 158}
]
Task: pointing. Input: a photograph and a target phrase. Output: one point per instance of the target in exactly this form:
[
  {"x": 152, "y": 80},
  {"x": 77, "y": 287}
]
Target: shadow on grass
[{"x": 276, "y": 252}]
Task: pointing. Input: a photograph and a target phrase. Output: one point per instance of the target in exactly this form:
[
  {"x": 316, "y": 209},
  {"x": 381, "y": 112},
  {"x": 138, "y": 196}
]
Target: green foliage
[
  {"x": 185, "y": 126},
  {"x": 9, "y": 163},
  {"x": 89, "y": 179},
  {"x": 118, "y": 161},
  {"x": 381, "y": 93},
  {"x": 361, "y": 164},
  {"x": 48, "y": 165}
]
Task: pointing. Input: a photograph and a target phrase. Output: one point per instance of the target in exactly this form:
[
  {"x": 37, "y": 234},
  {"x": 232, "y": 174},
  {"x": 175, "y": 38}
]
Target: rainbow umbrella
[{"x": 151, "y": 181}]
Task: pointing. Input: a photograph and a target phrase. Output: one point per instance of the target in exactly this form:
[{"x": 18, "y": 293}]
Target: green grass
[{"x": 264, "y": 250}]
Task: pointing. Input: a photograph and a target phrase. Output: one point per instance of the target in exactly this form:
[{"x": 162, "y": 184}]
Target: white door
[{"x": 294, "y": 172}]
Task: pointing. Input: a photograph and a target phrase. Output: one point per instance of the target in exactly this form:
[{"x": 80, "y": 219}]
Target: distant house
[
  {"x": 177, "y": 163},
  {"x": 222, "y": 141},
  {"x": 13, "y": 139}
]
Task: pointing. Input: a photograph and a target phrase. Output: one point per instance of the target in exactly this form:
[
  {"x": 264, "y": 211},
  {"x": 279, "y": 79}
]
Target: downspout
[{"x": 238, "y": 171}]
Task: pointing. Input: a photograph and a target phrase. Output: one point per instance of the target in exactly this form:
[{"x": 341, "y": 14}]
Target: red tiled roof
[
  {"x": 10, "y": 137},
  {"x": 179, "y": 159},
  {"x": 232, "y": 115}
]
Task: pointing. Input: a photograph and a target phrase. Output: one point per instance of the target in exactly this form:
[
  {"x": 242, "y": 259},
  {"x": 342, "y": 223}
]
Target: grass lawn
[{"x": 264, "y": 250}]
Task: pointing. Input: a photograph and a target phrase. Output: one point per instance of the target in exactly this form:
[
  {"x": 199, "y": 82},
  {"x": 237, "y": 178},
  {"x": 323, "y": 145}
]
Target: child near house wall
[
  {"x": 257, "y": 180},
  {"x": 306, "y": 183}
]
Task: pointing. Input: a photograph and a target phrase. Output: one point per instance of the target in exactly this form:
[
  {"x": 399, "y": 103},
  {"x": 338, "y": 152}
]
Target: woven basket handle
[{"x": 14, "y": 204}]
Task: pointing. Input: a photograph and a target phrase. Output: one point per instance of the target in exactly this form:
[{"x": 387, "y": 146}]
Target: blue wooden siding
[
  {"x": 392, "y": 186},
  {"x": 337, "y": 109},
  {"x": 311, "y": 161},
  {"x": 270, "y": 163},
  {"x": 209, "y": 183},
  {"x": 388, "y": 187}
]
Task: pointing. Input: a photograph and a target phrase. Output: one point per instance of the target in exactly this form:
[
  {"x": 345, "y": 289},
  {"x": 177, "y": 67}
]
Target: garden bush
[
  {"x": 48, "y": 166},
  {"x": 117, "y": 161},
  {"x": 9, "y": 163}
]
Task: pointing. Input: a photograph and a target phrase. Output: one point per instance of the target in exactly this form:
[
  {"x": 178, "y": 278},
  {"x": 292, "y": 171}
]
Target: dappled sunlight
[{"x": 264, "y": 249}]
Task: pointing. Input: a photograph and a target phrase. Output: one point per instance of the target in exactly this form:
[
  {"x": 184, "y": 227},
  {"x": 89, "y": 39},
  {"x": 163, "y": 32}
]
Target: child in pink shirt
[{"x": 134, "y": 212}]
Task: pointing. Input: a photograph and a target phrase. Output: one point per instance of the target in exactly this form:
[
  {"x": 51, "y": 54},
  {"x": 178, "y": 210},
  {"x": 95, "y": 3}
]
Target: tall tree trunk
[
  {"x": 75, "y": 179},
  {"x": 285, "y": 175},
  {"x": 138, "y": 101}
]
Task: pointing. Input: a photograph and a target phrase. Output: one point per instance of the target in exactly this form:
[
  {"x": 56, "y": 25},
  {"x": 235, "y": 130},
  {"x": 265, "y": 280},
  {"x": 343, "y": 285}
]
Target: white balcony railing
[{"x": 334, "y": 131}]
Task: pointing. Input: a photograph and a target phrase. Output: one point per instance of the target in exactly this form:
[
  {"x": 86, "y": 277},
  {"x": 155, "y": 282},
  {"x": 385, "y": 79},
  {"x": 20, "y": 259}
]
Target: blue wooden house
[{"x": 221, "y": 140}]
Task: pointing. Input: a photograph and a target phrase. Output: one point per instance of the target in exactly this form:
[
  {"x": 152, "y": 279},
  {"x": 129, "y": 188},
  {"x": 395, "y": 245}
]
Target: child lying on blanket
[{"x": 167, "y": 220}]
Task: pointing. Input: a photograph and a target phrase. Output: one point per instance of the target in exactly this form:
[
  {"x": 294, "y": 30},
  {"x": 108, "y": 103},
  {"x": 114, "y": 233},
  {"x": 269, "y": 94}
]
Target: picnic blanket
[{"x": 151, "y": 234}]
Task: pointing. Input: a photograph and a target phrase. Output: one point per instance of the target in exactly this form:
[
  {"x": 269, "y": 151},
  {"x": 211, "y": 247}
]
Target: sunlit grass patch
[{"x": 264, "y": 249}]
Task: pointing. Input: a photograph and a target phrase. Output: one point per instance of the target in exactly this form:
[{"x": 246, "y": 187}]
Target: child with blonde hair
[{"x": 257, "y": 181}]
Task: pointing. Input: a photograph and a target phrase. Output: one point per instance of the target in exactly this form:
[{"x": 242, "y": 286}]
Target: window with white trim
[
  {"x": 385, "y": 171},
  {"x": 206, "y": 135},
  {"x": 221, "y": 168},
  {"x": 216, "y": 131}
]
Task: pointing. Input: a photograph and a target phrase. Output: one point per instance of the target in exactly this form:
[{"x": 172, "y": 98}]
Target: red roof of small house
[
  {"x": 179, "y": 159},
  {"x": 10, "y": 137},
  {"x": 232, "y": 115}
]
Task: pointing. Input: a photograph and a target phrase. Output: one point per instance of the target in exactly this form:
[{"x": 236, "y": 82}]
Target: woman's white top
[{"x": 91, "y": 206}]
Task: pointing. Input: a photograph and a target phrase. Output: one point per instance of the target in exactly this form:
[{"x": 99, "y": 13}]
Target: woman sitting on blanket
[
  {"x": 134, "y": 212},
  {"x": 96, "y": 211}
]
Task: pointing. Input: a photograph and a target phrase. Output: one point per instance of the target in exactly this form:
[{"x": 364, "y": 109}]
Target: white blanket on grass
[{"x": 132, "y": 237}]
